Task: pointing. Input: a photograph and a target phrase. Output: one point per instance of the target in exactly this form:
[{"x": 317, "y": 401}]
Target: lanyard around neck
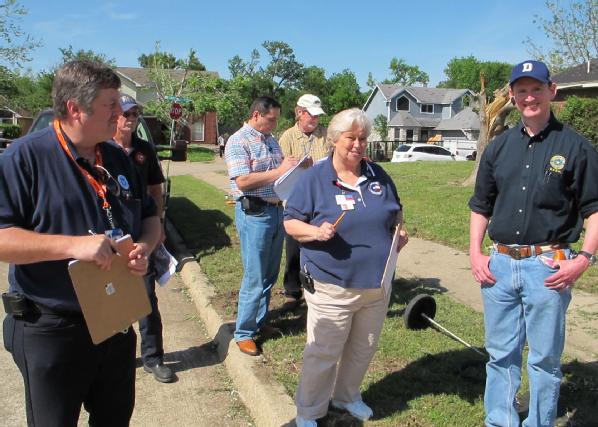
[{"x": 100, "y": 189}]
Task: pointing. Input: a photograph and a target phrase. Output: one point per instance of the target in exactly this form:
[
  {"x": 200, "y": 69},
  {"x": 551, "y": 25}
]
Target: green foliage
[
  {"x": 405, "y": 74},
  {"x": 10, "y": 131},
  {"x": 68, "y": 54},
  {"x": 159, "y": 59},
  {"x": 381, "y": 126},
  {"x": 572, "y": 31},
  {"x": 582, "y": 115},
  {"x": 464, "y": 73},
  {"x": 16, "y": 45}
]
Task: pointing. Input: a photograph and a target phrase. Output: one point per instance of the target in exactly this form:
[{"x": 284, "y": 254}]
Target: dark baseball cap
[
  {"x": 127, "y": 102},
  {"x": 534, "y": 69}
]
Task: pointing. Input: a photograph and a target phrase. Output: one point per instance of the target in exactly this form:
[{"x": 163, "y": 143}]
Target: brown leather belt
[{"x": 526, "y": 251}]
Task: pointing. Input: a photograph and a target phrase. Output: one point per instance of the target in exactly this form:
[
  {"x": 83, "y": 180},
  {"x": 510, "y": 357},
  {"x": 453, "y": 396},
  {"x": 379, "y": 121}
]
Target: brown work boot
[{"x": 248, "y": 347}]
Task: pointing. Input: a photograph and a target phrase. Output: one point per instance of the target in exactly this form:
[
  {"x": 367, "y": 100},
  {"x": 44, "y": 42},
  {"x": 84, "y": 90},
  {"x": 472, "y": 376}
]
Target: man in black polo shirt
[
  {"x": 145, "y": 159},
  {"x": 61, "y": 189},
  {"x": 537, "y": 184}
]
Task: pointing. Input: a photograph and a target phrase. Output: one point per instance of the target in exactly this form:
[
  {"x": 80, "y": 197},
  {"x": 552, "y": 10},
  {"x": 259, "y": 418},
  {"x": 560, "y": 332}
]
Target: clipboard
[
  {"x": 110, "y": 300},
  {"x": 284, "y": 185},
  {"x": 391, "y": 265}
]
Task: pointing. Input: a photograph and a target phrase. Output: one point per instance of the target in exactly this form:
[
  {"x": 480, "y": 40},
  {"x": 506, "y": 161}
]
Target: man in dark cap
[{"x": 537, "y": 183}]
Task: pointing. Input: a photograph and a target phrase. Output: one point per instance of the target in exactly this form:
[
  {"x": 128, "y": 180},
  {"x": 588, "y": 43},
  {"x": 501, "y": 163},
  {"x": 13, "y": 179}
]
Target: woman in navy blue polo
[{"x": 343, "y": 213}]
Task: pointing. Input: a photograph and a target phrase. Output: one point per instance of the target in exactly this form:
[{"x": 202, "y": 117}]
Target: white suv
[{"x": 417, "y": 152}]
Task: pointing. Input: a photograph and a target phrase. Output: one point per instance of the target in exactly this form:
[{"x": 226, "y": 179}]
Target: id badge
[{"x": 114, "y": 233}]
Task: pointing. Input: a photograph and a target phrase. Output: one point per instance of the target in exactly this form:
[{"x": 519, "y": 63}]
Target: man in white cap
[{"x": 306, "y": 137}]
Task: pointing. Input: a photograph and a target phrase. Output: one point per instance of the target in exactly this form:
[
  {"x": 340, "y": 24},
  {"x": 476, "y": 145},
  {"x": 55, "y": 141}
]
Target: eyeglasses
[
  {"x": 102, "y": 175},
  {"x": 133, "y": 114}
]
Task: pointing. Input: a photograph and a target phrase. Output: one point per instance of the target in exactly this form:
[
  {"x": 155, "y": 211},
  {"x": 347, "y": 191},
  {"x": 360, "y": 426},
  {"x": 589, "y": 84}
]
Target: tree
[
  {"x": 17, "y": 45},
  {"x": 405, "y": 74},
  {"x": 381, "y": 126},
  {"x": 464, "y": 73},
  {"x": 159, "y": 59},
  {"x": 85, "y": 55},
  {"x": 573, "y": 33},
  {"x": 343, "y": 92}
]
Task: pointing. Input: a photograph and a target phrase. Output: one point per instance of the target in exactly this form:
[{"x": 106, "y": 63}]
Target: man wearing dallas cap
[
  {"x": 537, "y": 184},
  {"x": 306, "y": 137}
]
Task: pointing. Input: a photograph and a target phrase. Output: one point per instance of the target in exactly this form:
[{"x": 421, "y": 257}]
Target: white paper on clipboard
[
  {"x": 284, "y": 185},
  {"x": 391, "y": 264}
]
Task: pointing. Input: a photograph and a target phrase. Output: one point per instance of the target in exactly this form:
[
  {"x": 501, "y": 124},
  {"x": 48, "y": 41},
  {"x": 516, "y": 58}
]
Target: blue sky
[{"x": 362, "y": 36}]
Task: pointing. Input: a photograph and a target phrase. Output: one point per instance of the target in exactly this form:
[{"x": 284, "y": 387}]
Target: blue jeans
[
  {"x": 261, "y": 238},
  {"x": 516, "y": 307}
]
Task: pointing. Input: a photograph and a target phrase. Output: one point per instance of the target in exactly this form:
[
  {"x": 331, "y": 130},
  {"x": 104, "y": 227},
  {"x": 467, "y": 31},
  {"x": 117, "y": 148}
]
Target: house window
[
  {"x": 424, "y": 135},
  {"x": 427, "y": 108},
  {"x": 197, "y": 130},
  {"x": 402, "y": 104},
  {"x": 409, "y": 135}
]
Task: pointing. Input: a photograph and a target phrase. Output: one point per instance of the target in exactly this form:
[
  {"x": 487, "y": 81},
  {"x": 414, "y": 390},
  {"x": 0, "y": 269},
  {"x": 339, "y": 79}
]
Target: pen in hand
[{"x": 339, "y": 219}]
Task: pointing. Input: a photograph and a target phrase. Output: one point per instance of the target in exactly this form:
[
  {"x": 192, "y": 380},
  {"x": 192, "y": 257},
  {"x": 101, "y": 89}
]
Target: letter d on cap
[{"x": 527, "y": 67}]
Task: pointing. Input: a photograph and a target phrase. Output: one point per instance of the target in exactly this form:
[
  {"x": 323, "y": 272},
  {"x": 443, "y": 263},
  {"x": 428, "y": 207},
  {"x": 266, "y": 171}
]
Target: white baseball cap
[{"x": 311, "y": 103}]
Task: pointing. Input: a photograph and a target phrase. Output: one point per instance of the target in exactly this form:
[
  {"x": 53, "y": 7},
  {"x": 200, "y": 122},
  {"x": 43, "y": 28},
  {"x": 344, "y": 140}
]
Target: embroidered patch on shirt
[
  {"x": 139, "y": 158},
  {"x": 557, "y": 163},
  {"x": 375, "y": 188},
  {"x": 123, "y": 182}
]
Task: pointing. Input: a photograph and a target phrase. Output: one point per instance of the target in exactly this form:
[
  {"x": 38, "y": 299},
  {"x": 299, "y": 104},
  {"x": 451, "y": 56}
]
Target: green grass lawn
[
  {"x": 417, "y": 378},
  {"x": 195, "y": 154}
]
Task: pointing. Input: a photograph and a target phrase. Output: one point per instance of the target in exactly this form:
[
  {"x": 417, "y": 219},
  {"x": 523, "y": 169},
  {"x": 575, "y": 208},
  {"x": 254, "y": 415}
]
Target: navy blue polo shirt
[
  {"x": 42, "y": 190},
  {"x": 356, "y": 256},
  {"x": 539, "y": 188}
]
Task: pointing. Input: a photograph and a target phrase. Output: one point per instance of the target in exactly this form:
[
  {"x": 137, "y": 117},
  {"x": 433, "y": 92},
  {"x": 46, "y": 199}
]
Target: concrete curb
[{"x": 268, "y": 404}]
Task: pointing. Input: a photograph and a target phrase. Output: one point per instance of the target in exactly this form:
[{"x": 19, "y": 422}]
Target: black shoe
[{"x": 161, "y": 372}]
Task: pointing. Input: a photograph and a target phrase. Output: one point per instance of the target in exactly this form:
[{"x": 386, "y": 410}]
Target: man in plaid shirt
[{"x": 254, "y": 161}]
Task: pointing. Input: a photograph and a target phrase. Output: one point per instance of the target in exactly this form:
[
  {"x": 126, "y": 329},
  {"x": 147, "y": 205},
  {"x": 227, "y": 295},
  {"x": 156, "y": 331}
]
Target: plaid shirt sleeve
[{"x": 237, "y": 158}]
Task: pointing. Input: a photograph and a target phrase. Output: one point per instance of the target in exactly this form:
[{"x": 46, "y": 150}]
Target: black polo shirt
[
  {"x": 145, "y": 158},
  {"x": 537, "y": 189},
  {"x": 42, "y": 190}
]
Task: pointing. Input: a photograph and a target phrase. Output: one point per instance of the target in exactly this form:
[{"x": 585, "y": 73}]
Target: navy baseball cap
[
  {"x": 534, "y": 69},
  {"x": 127, "y": 102}
]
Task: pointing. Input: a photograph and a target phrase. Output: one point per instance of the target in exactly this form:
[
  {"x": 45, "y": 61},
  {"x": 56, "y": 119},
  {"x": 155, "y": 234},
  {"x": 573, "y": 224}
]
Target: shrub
[
  {"x": 10, "y": 131},
  {"x": 582, "y": 115}
]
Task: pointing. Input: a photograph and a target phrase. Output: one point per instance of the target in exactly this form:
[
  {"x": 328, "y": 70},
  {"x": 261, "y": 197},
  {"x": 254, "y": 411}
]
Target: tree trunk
[{"x": 492, "y": 122}]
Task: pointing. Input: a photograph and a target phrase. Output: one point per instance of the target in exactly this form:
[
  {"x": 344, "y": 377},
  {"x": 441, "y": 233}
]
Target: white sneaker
[
  {"x": 302, "y": 422},
  {"x": 358, "y": 409}
]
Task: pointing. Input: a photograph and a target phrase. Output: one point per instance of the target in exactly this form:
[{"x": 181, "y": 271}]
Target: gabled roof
[
  {"x": 464, "y": 119},
  {"x": 139, "y": 76},
  {"x": 403, "y": 118},
  {"x": 424, "y": 95},
  {"x": 582, "y": 73}
]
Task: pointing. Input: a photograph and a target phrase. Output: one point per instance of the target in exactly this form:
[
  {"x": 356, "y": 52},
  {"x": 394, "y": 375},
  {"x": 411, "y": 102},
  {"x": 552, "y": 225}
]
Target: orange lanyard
[{"x": 100, "y": 189}]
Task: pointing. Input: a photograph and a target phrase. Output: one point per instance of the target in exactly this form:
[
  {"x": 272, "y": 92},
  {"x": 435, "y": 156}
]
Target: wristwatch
[{"x": 589, "y": 256}]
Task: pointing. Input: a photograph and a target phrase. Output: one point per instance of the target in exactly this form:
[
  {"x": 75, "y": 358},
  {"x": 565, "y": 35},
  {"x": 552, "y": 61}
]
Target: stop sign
[{"x": 176, "y": 111}]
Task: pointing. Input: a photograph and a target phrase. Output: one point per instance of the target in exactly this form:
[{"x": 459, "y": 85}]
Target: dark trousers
[
  {"x": 63, "y": 369},
  {"x": 221, "y": 148},
  {"x": 150, "y": 327},
  {"x": 292, "y": 285}
]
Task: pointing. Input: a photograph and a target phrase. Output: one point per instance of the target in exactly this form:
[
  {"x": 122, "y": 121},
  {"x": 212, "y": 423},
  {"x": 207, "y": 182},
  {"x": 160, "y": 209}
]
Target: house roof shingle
[
  {"x": 141, "y": 78},
  {"x": 578, "y": 74},
  {"x": 426, "y": 95},
  {"x": 464, "y": 119}
]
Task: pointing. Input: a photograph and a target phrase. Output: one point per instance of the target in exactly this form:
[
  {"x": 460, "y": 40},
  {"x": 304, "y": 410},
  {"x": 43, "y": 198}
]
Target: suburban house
[
  {"x": 422, "y": 114},
  {"x": 581, "y": 80},
  {"x": 15, "y": 116},
  {"x": 201, "y": 128}
]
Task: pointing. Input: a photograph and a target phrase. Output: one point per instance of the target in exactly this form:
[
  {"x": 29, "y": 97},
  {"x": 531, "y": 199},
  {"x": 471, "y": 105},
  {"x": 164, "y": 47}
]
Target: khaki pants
[{"x": 343, "y": 327}]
